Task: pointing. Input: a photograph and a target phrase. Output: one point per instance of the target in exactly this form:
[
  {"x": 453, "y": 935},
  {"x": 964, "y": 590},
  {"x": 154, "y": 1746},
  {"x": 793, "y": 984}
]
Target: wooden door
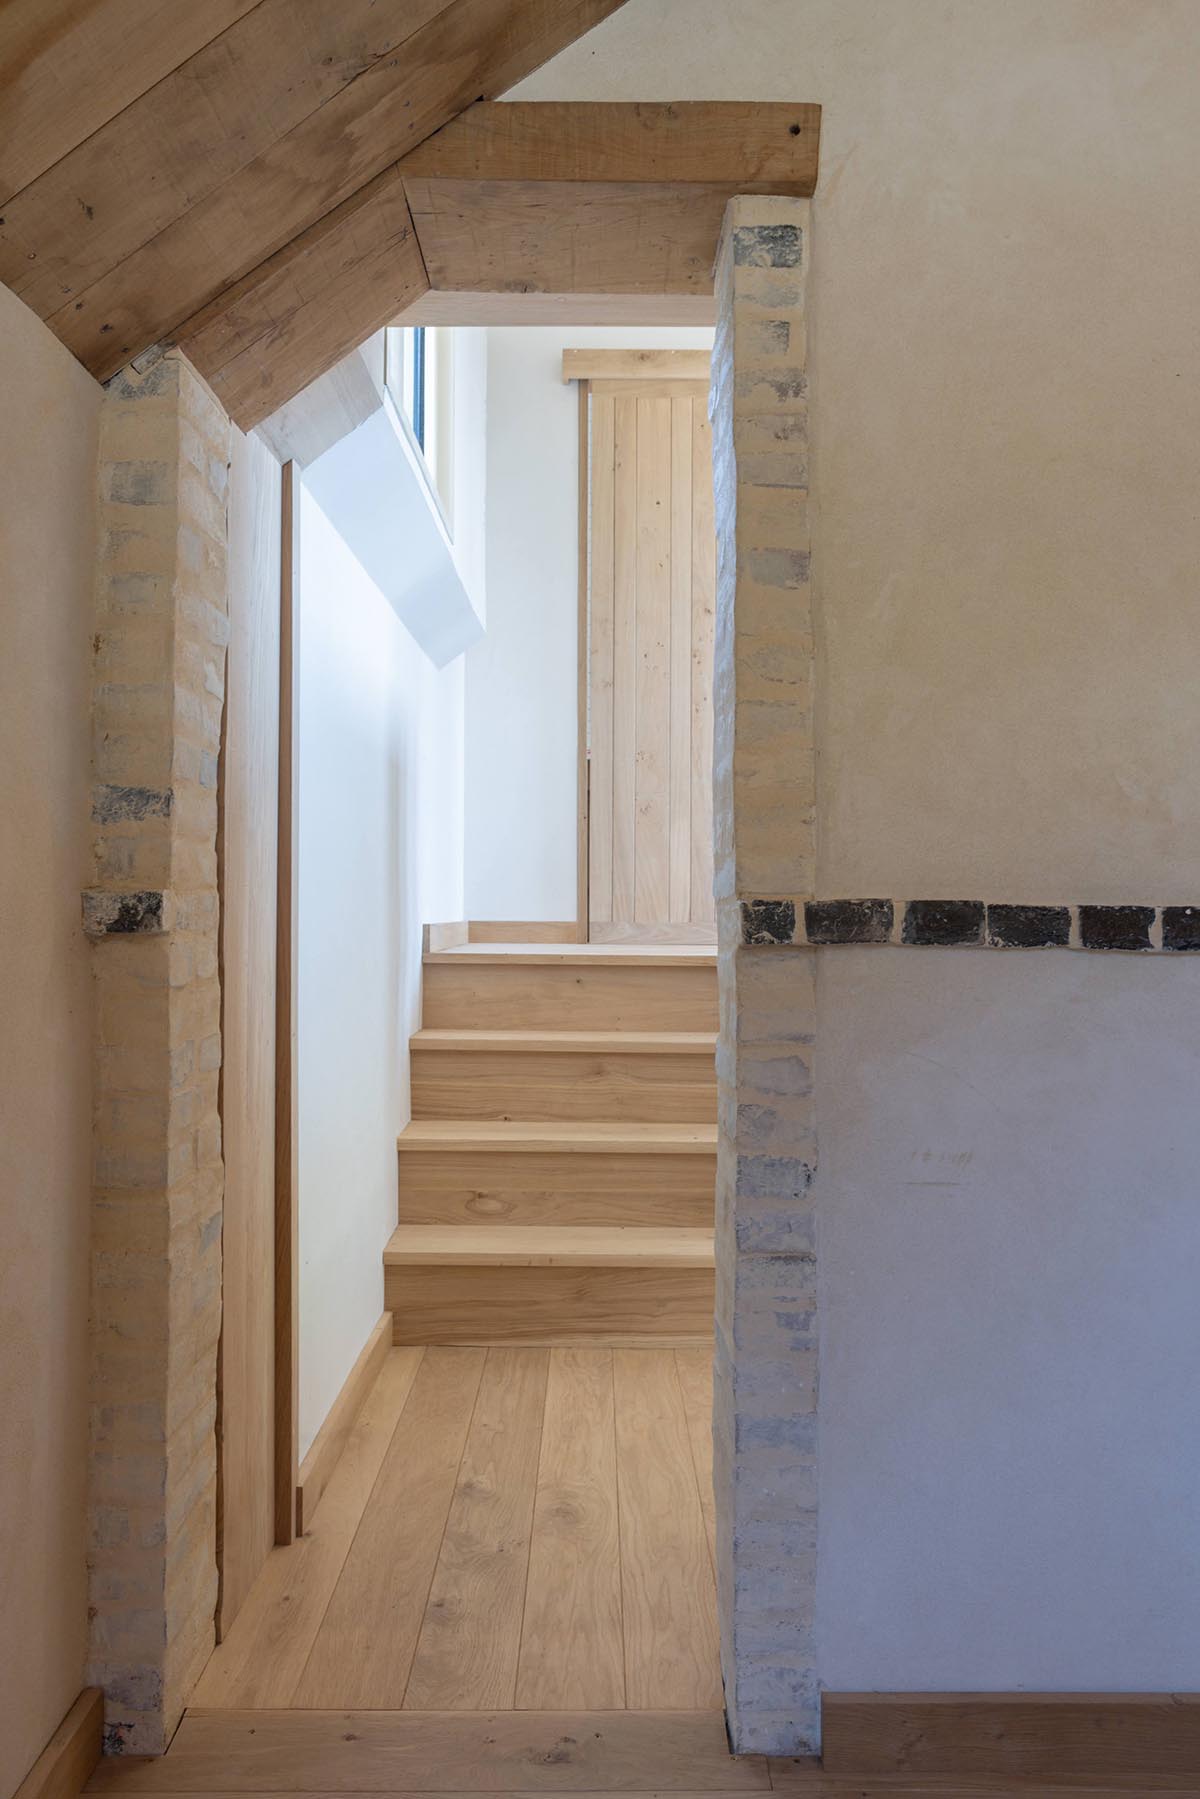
[{"x": 651, "y": 583}]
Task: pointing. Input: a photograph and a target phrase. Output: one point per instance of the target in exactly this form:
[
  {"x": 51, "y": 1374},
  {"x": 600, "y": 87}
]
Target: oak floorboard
[
  {"x": 466, "y": 1655},
  {"x": 572, "y": 1653},
  {"x": 442, "y": 1752},
  {"x": 668, "y": 1591},
  {"x": 364, "y": 1648},
  {"x": 263, "y": 1657},
  {"x": 694, "y": 1368}
]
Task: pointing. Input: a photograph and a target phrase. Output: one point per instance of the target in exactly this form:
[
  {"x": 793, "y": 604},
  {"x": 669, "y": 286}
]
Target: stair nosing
[
  {"x": 444, "y": 1039},
  {"x": 501, "y": 1137},
  {"x": 622, "y": 1249}
]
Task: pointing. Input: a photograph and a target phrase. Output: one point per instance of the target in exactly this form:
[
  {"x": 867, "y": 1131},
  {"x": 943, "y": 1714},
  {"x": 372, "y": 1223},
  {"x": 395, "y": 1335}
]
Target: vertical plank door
[{"x": 652, "y": 578}]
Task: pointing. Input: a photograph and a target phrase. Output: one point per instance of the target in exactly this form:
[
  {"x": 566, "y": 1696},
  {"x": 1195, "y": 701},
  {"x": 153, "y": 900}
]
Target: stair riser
[
  {"x": 549, "y": 1305},
  {"x": 568, "y": 1088},
  {"x": 598, "y": 998},
  {"x": 483, "y": 1187}
]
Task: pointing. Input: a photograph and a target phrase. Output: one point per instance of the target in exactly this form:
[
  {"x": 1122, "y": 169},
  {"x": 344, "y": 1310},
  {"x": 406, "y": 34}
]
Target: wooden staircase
[{"x": 557, "y": 1180}]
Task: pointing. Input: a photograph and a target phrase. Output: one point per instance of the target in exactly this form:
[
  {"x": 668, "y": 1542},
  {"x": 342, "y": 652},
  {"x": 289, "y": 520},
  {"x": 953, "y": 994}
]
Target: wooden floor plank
[
  {"x": 694, "y": 1368},
  {"x": 668, "y": 1591},
  {"x": 364, "y": 1648},
  {"x": 572, "y": 1653},
  {"x": 262, "y": 1659},
  {"x": 466, "y": 1656},
  {"x": 442, "y": 1752}
]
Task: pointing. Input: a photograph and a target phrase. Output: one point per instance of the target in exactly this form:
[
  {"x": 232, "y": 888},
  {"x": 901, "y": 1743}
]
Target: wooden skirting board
[
  {"x": 66, "y": 1763},
  {"x": 1044, "y": 1736},
  {"x": 329, "y": 1442}
]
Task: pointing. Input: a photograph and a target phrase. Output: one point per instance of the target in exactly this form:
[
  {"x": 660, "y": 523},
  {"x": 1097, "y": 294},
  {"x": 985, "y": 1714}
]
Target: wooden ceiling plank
[
  {"x": 472, "y": 47},
  {"x": 211, "y": 118},
  {"x": 772, "y": 143},
  {"x": 563, "y": 237},
  {"x": 69, "y": 66},
  {"x": 359, "y": 269}
]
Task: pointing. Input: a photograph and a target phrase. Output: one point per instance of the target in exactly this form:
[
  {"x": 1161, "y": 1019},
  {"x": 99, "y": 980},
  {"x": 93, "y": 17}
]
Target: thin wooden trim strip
[
  {"x": 65, "y": 1764},
  {"x": 326, "y": 1449},
  {"x": 1043, "y": 1736},
  {"x": 636, "y": 365}
]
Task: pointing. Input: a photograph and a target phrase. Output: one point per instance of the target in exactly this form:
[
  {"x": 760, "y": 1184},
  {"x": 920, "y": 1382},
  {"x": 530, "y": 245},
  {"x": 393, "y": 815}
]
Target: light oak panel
[
  {"x": 466, "y": 1656},
  {"x": 364, "y": 1650},
  {"x": 549, "y": 1305},
  {"x": 68, "y": 66},
  {"x": 479, "y": 1187},
  {"x": 503, "y": 930},
  {"x": 410, "y": 1752},
  {"x": 670, "y": 1615},
  {"x": 262, "y": 1660},
  {"x": 572, "y": 1651},
  {"x": 459, "y": 995},
  {"x": 598, "y": 577},
  {"x": 704, "y": 612},
  {"x": 248, "y": 803},
  {"x": 317, "y": 1468},
  {"x": 770, "y": 146}
]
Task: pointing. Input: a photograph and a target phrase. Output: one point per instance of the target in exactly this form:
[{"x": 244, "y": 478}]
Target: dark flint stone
[
  {"x": 1181, "y": 927},
  {"x": 943, "y": 921},
  {"x": 848, "y": 921},
  {"x": 1029, "y": 927},
  {"x": 1115, "y": 927},
  {"x": 121, "y": 914},
  {"x": 768, "y": 921},
  {"x": 767, "y": 246},
  {"x": 116, "y": 805}
]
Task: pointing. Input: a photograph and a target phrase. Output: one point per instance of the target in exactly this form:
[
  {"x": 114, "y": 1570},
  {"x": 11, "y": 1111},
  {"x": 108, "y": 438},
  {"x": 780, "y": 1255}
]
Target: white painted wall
[
  {"x": 522, "y": 675},
  {"x": 381, "y": 798},
  {"x": 1006, "y": 451},
  {"x": 1009, "y": 1262}
]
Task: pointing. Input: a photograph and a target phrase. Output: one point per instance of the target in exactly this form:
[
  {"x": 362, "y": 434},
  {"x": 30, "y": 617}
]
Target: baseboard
[
  {"x": 65, "y": 1765},
  {"x": 329, "y": 1442},
  {"x": 436, "y": 937},
  {"x": 1043, "y": 1736},
  {"x": 503, "y": 930}
]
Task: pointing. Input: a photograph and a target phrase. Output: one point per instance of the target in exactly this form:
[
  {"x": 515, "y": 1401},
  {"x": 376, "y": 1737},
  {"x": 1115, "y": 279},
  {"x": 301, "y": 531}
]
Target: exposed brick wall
[
  {"x": 766, "y": 1341},
  {"x": 161, "y": 631}
]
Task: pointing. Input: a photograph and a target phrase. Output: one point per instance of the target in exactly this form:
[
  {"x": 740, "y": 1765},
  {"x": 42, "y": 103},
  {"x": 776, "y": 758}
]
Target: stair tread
[
  {"x": 549, "y": 1246},
  {"x": 584, "y": 1138},
  {"x": 612, "y": 955},
  {"x": 595, "y": 1042}
]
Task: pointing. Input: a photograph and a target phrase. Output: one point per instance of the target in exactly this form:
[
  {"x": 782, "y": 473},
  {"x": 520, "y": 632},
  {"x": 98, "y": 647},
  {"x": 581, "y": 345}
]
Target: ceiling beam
[
  {"x": 579, "y": 245},
  {"x": 564, "y": 237},
  {"x": 751, "y": 144},
  {"x": 264, "y": 132},
  {"x": 290, "y": 322}
]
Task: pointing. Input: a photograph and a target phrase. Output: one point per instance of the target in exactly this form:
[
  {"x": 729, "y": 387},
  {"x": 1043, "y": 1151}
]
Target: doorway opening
[{"x": 506, "y": 1476}]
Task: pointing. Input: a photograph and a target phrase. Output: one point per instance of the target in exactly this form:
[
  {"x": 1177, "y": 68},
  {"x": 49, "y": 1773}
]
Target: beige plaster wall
[
  {"x": 48, "y": 426},
  {"x": 1006, "y": 379}
]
